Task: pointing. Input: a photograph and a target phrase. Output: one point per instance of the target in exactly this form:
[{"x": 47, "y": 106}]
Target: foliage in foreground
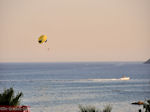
[
  {"x": 90, "y": 108},
  {"x": 146, "y": 106},
  {"x": 107, "y": 108},
  {"x": 8, "y": 97}
]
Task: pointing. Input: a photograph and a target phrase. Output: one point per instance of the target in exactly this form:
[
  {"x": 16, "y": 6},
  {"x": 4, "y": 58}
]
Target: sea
[{"x": 62, "y": 87}]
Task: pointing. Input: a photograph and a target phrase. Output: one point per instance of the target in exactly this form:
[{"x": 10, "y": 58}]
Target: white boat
[{"x": 125, "y": 78}]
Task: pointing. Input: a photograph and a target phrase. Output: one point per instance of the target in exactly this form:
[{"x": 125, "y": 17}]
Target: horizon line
[{"x": 72, "y": 61}]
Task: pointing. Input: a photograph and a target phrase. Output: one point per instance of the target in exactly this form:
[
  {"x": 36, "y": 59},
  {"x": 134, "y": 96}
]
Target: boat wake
[{"x": 98, "y": 80}]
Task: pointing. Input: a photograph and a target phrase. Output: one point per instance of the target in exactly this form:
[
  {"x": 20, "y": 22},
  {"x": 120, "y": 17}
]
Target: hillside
[{"x": 147, "y": 62}]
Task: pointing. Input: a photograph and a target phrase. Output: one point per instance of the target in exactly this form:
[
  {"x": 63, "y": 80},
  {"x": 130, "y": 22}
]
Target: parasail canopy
[{"x": 42, "y": 39}]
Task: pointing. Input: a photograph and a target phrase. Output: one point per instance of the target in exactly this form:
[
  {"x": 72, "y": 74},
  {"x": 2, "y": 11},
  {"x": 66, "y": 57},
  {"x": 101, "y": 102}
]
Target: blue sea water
[{"x": 61, "y": 87}]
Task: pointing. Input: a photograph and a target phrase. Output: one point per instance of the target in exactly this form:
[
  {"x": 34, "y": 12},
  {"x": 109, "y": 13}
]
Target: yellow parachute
[{"x": 42, "y": 39}]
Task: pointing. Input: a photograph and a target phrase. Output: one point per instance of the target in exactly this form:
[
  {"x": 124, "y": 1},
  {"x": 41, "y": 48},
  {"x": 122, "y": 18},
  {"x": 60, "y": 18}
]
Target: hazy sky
[{"x": 77, "y": 30}]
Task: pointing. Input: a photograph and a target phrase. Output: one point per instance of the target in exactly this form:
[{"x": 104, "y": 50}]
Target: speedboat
[{"x": 125, "y": 78}]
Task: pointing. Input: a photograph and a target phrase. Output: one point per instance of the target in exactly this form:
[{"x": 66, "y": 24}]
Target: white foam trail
[
  {"x": 97, "y": 80},
  {"x": 103, "y": 79}
]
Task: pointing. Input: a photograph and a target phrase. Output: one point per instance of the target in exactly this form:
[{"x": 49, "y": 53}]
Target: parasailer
[{"x": 42, "y": 39}]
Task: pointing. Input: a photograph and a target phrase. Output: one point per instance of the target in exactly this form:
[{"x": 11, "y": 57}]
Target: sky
[{"x": 77, "y": 30}]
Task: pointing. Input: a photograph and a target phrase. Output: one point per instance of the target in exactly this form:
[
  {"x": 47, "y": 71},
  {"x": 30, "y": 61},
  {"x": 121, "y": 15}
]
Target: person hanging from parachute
[{"x": 42, "y": 39}]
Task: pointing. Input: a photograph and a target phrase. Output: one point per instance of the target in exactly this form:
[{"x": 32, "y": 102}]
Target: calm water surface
[{"x": 61, "y": 87}]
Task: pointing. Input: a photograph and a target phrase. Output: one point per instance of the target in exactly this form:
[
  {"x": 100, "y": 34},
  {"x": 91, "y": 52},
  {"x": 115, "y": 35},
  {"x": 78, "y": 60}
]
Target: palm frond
[
  {"x": 16, "y": 100},
  {"x": 107, "y": 108},
  {"x": 7, "y": 97},
  {"x": 88, "y": 108}
]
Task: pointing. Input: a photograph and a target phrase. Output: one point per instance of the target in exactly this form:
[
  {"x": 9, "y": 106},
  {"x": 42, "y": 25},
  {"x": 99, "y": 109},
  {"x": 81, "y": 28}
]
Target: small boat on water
[
  {"x": 138, "y": 103},
  {"x": 125, "y": 78}
]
